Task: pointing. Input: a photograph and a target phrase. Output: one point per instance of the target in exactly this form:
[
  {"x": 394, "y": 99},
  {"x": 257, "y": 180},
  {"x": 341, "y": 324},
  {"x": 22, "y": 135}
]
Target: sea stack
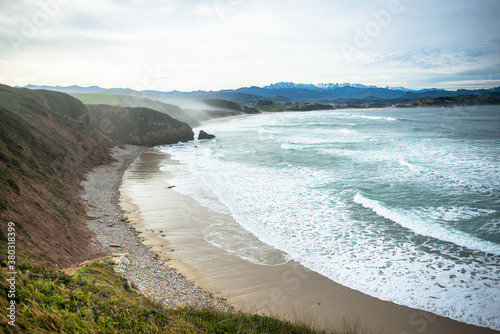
[{"x": 204, "y": 135}]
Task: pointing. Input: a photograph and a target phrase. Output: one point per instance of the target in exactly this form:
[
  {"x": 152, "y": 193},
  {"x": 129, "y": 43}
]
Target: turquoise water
[{"x": 402, "y": 204}]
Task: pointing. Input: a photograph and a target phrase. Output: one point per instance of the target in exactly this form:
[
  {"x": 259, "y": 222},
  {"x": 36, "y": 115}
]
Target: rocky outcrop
[
  {"x": 139, "y": 126},
  {"x": 203, "y": 135}
]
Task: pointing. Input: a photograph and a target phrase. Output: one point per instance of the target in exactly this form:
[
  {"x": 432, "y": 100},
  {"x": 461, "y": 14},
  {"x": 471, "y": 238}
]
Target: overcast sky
[{"x": 218, "y": 44}]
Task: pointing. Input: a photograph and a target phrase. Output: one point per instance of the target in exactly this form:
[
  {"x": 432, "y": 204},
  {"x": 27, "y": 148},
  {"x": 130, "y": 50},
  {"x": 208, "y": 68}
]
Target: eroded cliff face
[
  {"x": 46, "y": 147},
  {"x": 48, "y": 143},
  {"x": 139, "y": 126}
]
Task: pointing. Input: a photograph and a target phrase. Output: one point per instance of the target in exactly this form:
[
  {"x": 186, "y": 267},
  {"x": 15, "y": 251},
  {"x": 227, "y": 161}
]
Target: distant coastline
[{"x": 186, "y": 107}]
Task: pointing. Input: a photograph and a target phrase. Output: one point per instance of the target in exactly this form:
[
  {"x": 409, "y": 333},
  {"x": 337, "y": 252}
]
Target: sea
[{"x": 402, "y": 204}]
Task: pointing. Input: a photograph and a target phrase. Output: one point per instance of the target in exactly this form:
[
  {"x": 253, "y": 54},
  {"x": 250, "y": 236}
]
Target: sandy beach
[
  {"x": 113, "y": 236},
  {"x": 173, "y": 226}
]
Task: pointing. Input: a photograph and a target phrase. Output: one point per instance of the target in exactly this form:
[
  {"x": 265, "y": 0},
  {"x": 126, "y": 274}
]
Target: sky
[{"x": 226, "y": 44}]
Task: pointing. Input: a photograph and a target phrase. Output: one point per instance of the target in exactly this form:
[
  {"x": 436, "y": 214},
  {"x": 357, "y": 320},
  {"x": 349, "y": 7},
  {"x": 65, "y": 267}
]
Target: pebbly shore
[{"x": 144, "y": 270}]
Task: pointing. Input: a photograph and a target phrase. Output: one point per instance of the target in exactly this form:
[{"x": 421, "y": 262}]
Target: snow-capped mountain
[
  {"x": 327, "y": 86},
  {"x": 285, "y": 91}
]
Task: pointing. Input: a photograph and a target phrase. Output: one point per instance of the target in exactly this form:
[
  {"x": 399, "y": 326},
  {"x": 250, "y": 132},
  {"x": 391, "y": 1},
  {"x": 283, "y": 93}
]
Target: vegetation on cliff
[
  {"x": 223, "y": 108},
  {"x": 47, "y": 145},
  {"x": 270, "y": 105},
  {"x": 135, "y": 102},
  {"x": 46, "y": 148},
  {"x": 371, "y": 102},
  {"x": 192, "y": 112},
  {"x": 453, "y": 101},
  {"x": 97, "y": 300},
  {"x": 139, "y": 126}
]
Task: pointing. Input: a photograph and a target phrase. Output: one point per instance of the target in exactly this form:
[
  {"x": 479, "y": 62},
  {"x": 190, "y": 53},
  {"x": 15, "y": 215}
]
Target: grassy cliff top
[{"x": 97, "y": 300}]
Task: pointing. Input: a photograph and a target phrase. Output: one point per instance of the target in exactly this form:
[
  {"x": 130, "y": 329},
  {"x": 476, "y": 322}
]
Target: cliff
[
  {"x": 46, "y": 147},
  {"x": 48, "y": 142},
  {"x": 136, "y": 102},
  {"x": 139, "y": 126}
]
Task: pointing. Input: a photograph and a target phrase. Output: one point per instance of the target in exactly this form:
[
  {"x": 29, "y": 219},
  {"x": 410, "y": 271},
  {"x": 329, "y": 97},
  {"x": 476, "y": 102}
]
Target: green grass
[
  {"x": 62, "y": 212},
  {"x": 109, "y": 99},
  {"x": 268, "y": 105},
  {"x": 97, "y": 300}
]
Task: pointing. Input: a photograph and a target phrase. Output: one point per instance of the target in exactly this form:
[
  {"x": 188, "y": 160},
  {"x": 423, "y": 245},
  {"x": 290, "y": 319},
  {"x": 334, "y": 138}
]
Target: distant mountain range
[{"x": 282, "y": 92}]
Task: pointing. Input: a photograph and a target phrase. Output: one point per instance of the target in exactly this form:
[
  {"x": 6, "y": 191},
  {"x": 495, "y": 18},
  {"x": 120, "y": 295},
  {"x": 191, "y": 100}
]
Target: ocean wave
[
  {"x": 328, "y": 137},
  {"x": 385, "y": 118},
  {"x": 463, "y": 175},
  {"x": 428, "y": 228},
  {"x": 289, "y": 146},
  {"x": 413, "y": 167},
  {"x": 436, "y": 255},
  {"x": 231, "y": 237}
]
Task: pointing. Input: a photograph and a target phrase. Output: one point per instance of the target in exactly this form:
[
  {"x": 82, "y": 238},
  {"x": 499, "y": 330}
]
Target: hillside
[
  {"x": 452, "y": 101},
  {"x": 47, "y": 145},
  {"x": 192, "y": 112},
  {"x": 139, "y": 126},
  {"x": 134, "y": 102}
]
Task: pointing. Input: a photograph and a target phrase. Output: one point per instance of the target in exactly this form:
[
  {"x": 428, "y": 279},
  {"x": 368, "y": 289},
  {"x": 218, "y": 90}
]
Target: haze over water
[{"x": 402, "y": 204}]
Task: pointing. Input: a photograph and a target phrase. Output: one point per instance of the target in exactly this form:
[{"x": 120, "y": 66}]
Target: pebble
[{"x": 141, "y": 267}]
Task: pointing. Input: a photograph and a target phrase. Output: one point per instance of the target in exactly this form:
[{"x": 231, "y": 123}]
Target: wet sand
[
  {"x": 173, "y": 225},
  {"x": 138, "y": 264}
]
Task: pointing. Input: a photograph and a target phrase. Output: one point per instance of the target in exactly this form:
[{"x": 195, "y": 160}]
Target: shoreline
[
  {"x": 113, "y": 235},
  {"x": 171, "y": 224}
]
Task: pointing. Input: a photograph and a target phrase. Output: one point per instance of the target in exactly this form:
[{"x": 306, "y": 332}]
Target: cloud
[
  {"x": 427, "y": 58},
  {"x": 214, "y": 44}
]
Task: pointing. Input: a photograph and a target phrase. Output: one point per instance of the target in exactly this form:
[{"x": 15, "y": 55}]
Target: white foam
[
  {"x": 432, "y": 229},
  {"x": 326, "y": 137},
  {"x": 371, "y": 117},
  {"x": 289, "y": 146},
  {"x": 413, "y": 167},
  {"x": 458, "y": 172},
  {"x": 309, "y": 214},
  {"x": 232, "y": 238},
  {"x": 385, "y": 118}
]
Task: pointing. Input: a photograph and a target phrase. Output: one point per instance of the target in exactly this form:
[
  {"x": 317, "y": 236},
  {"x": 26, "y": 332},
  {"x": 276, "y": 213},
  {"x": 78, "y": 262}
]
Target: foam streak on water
[{"x": 403, "y": 205}]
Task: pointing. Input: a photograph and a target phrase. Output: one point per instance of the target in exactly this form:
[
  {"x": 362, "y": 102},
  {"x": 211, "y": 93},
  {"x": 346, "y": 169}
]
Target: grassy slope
[
  {"x": 96, "y": 300},
  {"x": 139, "y": 126},
  {"x": 134, "y": 102},
  {"x": 202, "y": 111},
  {"x": 109, "y": 99},
  {"x": 46, "y": 148}
]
